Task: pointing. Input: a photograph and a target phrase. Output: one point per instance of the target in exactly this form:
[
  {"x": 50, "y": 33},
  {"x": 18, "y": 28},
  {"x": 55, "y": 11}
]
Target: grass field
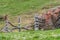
[
  {"x": 16, "y": 7},
  {"x": 32, "y": 35},
  {"x": 26, "y": 9}
]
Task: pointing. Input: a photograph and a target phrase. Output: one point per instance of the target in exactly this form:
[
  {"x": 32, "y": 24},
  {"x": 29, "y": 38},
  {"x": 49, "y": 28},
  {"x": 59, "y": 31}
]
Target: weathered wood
[
  {"x": 36, "y": 23},
  {"x": 6, "y": 29},
  {"x": 19, "y": 24}
]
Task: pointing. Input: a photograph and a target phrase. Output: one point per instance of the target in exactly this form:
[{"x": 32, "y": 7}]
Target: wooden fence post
[
  {"x": 19, "y": 23},
  {"x": 6, "y": 29},
  {"x": 36, "y": 22}
]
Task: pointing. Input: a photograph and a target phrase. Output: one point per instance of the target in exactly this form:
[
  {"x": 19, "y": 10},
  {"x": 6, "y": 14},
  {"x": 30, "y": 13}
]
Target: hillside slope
[
  {"x": 26, "y": 9},
  {"x": 16, "y": 7}
]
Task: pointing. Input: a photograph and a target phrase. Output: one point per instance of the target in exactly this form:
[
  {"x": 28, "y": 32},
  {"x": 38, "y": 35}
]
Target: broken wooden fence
[{"x": 6, "y": 27}]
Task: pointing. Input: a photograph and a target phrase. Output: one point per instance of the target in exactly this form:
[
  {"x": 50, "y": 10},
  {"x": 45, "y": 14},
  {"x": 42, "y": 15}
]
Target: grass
[
  {"x": 26, "y": 9},
  {"x": 16, "y": 7},
  {"x": 32, "y": 35}
]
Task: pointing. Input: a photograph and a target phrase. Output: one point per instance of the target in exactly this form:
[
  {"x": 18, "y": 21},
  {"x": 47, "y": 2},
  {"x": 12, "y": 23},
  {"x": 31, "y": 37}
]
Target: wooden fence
[
  {"x": 7, "y": 23},
  {"x": 39, "y": 23}
]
